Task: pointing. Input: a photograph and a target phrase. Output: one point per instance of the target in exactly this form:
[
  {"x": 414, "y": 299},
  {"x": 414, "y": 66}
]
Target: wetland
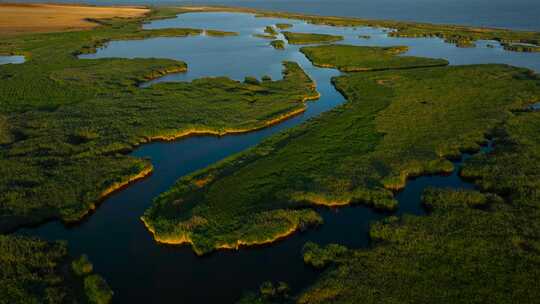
[{"x": 319, "y": 140}]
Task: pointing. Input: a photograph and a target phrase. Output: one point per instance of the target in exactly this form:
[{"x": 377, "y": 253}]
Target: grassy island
[
  {"x": 264, "y": 36},
  {"x": 526, "y": 48},
  {"x": 310, "y": 38},
  {"x": 278, "y": 44},
  {"x": 349, "y": 58},
  {"x": 215, "y": 33},
  {"x": 270, "y": 30},
  {"x": 63, "y": 144},
  {"x": 358, "y": 153},
  {"x": 283, "y": 26}
]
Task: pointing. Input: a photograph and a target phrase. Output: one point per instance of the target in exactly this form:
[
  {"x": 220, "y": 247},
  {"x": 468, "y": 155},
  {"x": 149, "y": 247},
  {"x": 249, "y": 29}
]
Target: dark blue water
[
  {"x": 140, "y": 270},
  {"x": 516, "y": 14}
]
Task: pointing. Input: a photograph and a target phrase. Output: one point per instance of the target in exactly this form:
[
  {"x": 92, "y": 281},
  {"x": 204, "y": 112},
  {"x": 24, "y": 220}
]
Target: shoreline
[
  {"x": 146, "y": 172},
  {"x": 131, "y": 179},
  {"x": 226, "y": 132},
  {"x": 451, "y": 33},
  {"x": 186, "y": 240},
  {"x": 505, "y": 36},
  {"x": 358, "y": 69}
]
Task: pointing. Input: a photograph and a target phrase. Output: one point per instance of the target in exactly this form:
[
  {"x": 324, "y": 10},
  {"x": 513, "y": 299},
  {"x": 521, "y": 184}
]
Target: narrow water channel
[
  {"x": 140, "y": 270},
  {"x": 15, "y": 59}
]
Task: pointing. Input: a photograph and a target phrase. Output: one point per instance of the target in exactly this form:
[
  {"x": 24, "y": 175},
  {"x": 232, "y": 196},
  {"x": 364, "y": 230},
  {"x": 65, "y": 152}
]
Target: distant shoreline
[{"x": 516, "y": 15}]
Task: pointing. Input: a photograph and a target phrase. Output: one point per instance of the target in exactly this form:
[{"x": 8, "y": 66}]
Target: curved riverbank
[
  {"x": 220, "y": 133},
  {"x": 184, "y": 239},
  {"x": 126, "y": 182}
]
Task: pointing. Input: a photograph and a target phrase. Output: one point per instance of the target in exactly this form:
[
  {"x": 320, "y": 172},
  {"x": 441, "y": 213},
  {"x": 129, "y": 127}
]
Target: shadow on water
[{"x": 140, "y": 270}]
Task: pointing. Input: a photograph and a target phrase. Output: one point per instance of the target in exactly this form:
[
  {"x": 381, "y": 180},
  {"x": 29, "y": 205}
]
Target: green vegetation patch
[
  {"x": 268, "y": 293},
  {"x": 512, "y": 170},
  {"x": 278, "y": 44},
  {"x": 82, "y": 266},
  {"x": 95, "y": 42},
  {"x": 310, "y": 38},
  {"x": 66, "y": 124},
  {"x": 526, "y": 48},
  {"x": 357, "y": 153},
  {"x": 461, "y": 42},
  {"x": 459, "y": 253},
  {"x": 455, "y": 255},
  {"x": 31, "y": 271},
  {"x": 97, "y": 290},
  {"x": 444, "y": 198},
  {"x": 216, "y": 33},
  {"x": 264, "y": 36},
  {"x": 270, "y": 30},
  {"x": 283, "y": 26},
  {"x": 35, "y": 271},
  {"x": 350, "y": 58}
]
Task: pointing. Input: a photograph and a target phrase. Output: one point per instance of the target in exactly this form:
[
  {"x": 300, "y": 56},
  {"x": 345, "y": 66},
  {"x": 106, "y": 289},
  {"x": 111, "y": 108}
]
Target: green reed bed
[
  {"x": 310, "y": 38},
  {"x": 349, "y": 58},
  {"x": 358, "y": 153},
  {"x": 67, "y": 123}
]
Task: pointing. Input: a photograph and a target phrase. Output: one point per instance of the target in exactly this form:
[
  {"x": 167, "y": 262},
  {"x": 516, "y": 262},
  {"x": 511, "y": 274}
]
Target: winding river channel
[{"x": 140, "y": 270}]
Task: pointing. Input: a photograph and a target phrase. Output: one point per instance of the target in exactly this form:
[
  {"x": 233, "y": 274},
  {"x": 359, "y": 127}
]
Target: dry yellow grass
[{"x": 39, "y": 18}]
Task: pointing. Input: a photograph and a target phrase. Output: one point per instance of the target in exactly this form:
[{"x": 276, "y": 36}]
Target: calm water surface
[
  {"x": 138, "y": 269},
  {"x": 11, "y": 59}
]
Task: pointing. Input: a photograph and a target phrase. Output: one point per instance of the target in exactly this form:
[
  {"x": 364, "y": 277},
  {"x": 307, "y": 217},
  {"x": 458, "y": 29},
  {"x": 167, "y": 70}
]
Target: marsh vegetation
[
  {"x": 358, "y": 153},
  {"x": 349, "y": 58},
  {"x": 461, "y": 35},
  {"x": 66, "y": 123},
  {"x": 278, "y": 44},
  {"x": 310, "y": 38},
  {"x": 283, "y": 26},
  {"x": 36, "y": 271},
  {"x": 64, "y": 149},
  {"x": 452, "y": 254}
]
